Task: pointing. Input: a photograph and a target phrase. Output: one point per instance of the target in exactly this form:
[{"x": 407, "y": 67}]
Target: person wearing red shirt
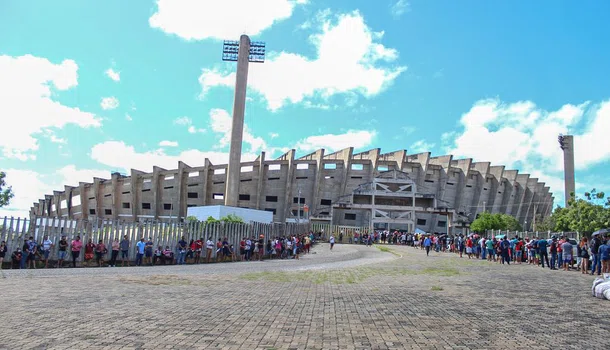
[
  {"x": 519, "y": 251},
  {"x": 198, "y": 248},
  {"x": 469, "y": 247}
]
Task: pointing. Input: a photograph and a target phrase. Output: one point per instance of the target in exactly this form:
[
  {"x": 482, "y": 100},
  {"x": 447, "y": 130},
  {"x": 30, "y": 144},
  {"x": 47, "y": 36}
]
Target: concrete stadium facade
[{"x": 367, "y": 189}]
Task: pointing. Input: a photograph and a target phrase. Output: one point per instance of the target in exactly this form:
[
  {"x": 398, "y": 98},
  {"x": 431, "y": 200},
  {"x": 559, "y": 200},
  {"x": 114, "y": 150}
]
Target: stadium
[{"x": 372, "y": 189}]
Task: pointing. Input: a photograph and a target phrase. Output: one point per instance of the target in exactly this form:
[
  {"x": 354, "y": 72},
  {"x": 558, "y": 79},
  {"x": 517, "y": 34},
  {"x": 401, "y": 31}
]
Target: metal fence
[{"x": 15, "y": 231}]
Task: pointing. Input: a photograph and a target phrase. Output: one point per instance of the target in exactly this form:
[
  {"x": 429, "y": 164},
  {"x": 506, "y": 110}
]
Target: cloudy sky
[{"x": 87, "y": 88}]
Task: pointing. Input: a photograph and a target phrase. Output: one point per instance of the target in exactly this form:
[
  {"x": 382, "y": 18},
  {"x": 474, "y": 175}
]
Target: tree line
[{"x": 585, "y": 214}]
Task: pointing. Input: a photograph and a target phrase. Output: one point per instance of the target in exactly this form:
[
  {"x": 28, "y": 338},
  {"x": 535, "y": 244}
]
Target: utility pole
[{"x": 242, "y": 52}]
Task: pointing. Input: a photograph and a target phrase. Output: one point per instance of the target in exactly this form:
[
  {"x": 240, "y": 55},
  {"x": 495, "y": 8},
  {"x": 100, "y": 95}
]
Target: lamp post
[{"x": 242, "y": 52}]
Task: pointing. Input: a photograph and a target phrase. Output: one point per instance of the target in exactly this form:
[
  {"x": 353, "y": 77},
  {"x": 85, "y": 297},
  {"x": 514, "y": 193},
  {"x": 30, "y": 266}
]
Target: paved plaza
[{"x": 355, "y": 297}]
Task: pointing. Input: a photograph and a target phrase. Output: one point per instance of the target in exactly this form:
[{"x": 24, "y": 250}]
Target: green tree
[
  {"x": 232, "y": 219},
  {"x": 191, "y": 218},
  {"x": 489, "y": 221},
  {"x": 211, "y": 220},
  {"x": 227, "y": 219},
  {"x": 509, "y": 222},
  {"x": 584, "y": 215},
  {"x": 6, "y": 193}
]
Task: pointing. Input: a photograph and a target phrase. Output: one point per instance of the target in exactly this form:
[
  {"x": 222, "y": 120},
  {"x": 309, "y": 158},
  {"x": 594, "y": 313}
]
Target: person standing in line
[
  {"x": 584, "y": 255},
  {"x": 181, "y": 248},
  {"x": 332, "y": 242},
  {"x": 567, "y": 254},
  {"x": 3, "y": 250},
  {"x": 124, "y": 250},
  {"x": 77, "y": 245},
  {"x": 33, "y": 248},
  {"x": 89, "y": 252},
  {"x": 62, "y": 250},
  {"x": 100, "y": 251},
  {"x": 47, "y": 244},
  {"x": 25, "y": 252},
  {"x": 427, "y": 244},
  {"x": 597, "y": 263},
  {"x": 553, "y": 250},
  {"x": 140, "y": 247},
  {"x": 148, "y": 252},
  {"x": 209, "y": 247},
  {"x": 544, "y": 255},
  {"x": 505, "y": 247},
  {"x": 116, "y": 246},
  {"x": 198, "y": 249},
  {"x": 604, "y": 256}
]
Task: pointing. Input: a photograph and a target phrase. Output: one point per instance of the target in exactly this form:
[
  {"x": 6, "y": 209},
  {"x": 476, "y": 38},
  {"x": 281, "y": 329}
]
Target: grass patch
[
  {"x": 441, "y": 271},
  {"x": 436, "y": 288},
  {"x": 386, "y": 250}
]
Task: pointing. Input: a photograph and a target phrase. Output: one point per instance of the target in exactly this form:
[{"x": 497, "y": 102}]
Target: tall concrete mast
[
  {"x": 246, "y": 52},
  {"x": 566, "y": 142}
]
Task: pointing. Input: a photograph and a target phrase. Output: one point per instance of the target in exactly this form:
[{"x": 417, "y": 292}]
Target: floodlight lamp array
[{"x": 230, "y": 51}]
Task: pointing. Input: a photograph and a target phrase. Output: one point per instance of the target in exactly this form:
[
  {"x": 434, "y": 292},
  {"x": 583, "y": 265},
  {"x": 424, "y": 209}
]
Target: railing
[{"x": 15, "y": 231}]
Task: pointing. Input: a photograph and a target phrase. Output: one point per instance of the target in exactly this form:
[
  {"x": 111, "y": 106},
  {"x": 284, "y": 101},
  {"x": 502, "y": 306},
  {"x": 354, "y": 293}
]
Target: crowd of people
[
  {"x": 197, "y": 251},
  {"x": 589, "y": 256}
]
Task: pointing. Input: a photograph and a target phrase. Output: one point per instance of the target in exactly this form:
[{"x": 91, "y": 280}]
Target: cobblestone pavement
[{"x": 353, "y": 298}]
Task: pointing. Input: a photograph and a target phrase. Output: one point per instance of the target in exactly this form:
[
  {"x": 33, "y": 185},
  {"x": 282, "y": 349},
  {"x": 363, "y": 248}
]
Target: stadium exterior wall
[{"x": 457, "y": 185}]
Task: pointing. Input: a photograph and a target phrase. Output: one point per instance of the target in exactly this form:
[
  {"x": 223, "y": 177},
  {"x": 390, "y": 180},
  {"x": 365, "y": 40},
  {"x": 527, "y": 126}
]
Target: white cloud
[
  {"x": 421, "y": 146},
  {"x": 112, "y": 74},
  {"x": 220, "y": 122},
  {"x": 128, "y": 117},
  {"x": 26, "y": 89},
  {"x": 335, "y": 142},
  {"x": 30, "y": 186},
  {"x": 349, "y": 61},
  {"x": 212, "y": 19},
  {"x": 117, "y": 154},
  {"x": 523, "y": 136},
  {"x": 400, "y": 7},
  {"x": 188, "y": 122},
  {"x": 109, "y": 103},
  {"x": 273, "y": 135},
  {"x": 183, "y": 121},
  {"x": 166, "y": 143}
]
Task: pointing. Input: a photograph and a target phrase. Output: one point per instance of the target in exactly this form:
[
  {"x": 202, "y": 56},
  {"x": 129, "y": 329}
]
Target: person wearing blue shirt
[
  {"x": 604, "y": 256},
  {"x": 544, "y": 255},
  {"x": 427, "y": 244},
  {"x": 513, "y": 243},
  {"x": 140, "y": 248}
]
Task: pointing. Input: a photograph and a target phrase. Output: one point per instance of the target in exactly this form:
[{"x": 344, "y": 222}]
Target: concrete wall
[{"x": 273, "y": 185}]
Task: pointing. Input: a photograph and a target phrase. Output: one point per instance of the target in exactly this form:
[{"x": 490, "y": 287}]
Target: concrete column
[
  {"x": 567, "y": 145},
  {"x": 156, "y": 189},
  {"x": 237, "y": 130},
  {"x": 136, "y": 193},
  {"x": 261, "y": 181},
  {"x": 181, "y": 183},
  {"x": 116, "y": 196},
  {"x": 84, "y": 200},
  {"x": 206, "y": 183}
]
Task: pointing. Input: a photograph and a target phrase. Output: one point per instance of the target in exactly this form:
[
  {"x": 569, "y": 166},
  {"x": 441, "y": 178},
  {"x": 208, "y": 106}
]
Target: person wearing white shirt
[
  {"x": 47, "y": 244},
  {"x": 209, "y": 248},
  {"x": 332, "y": 242}
]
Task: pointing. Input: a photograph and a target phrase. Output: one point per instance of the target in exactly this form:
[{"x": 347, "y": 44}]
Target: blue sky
[{"x": 91, "y": 87}]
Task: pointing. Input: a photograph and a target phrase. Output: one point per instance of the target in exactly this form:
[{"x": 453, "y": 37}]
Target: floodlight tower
[
  {"x": 243, "y": 52},
  {"x": 566, "y": 142}
]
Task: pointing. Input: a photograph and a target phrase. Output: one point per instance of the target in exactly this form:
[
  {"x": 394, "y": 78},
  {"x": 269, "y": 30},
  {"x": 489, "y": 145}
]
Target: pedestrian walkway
[{"x": 356, "y": 297}]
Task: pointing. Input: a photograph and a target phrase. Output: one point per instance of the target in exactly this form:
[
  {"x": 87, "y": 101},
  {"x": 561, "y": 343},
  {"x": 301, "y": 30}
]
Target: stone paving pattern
[{"x": 353, "y": 298}]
